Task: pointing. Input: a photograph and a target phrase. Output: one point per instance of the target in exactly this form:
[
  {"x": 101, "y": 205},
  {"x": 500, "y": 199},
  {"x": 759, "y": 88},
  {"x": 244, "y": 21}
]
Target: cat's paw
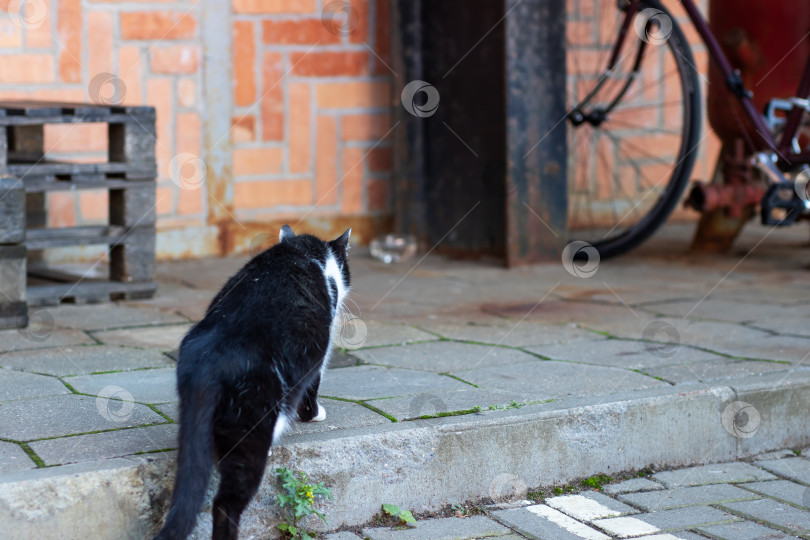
[
  {"x": 321, "y": 416},
  {"x": 269, "y": 452}
]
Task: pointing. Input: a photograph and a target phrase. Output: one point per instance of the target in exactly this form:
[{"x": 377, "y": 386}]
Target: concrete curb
[{"x": 423, "y": 465}]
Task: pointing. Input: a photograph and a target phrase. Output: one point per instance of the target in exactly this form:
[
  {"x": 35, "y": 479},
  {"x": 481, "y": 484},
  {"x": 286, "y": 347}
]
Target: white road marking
[
  {"x": 569, "y": 524},
  {"x": 581, "y": 508}
]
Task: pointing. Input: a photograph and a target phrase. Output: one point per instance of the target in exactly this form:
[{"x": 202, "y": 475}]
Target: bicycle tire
[{"x": 620, "y": 238}]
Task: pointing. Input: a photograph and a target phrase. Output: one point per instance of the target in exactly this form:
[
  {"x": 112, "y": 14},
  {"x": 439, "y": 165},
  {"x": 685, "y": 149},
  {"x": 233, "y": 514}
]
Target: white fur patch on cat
[
  {"x": 281, "y": 426},
  {"x": 332, "y": 270},
  {"x": 321, "y": 416}
]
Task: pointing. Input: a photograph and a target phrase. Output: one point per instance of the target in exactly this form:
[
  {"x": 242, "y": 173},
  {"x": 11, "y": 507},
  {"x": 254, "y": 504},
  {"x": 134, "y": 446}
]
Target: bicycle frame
[{"x": 787, "y": 158}]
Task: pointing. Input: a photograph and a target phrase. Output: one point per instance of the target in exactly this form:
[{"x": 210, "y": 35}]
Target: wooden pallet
[{"x": 25, "y": 176}]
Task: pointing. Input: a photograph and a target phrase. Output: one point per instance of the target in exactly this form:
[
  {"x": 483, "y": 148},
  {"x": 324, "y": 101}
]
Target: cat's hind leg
[
  {"x": 309, "y": 410},
  {"x": 241, "y": 469}
]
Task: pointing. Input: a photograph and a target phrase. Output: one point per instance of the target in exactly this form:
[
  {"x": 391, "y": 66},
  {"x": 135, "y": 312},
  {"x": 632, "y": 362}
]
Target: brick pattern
[
  {"x": 309, "y": 93},
  {"x": 298, "y": 80},
  {"x": 311, "y": 116}
]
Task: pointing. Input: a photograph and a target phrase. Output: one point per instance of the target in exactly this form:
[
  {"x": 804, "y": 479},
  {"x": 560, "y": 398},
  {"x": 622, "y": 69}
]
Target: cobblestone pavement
[
  {"x": 441, "y": 338},
  {"x": 660, "y": 358},
  {"x": 766, "y": 499}
]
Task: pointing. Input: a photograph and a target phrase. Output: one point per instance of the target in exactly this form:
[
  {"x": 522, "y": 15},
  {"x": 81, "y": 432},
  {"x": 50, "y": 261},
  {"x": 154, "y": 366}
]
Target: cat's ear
[
  {"x": 286, "y": 233},
  {"x": 341, "y": 243}
]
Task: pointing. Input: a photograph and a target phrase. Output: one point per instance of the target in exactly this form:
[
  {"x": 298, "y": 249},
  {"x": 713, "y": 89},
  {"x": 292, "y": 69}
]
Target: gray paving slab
[
  {"x": 626, "y": 354},
  {"x": 540, "y": 522},
  {"x": 774, "y": 514},
  {"x": 783, "y": 324},
  {"x": 442, "y": 529},
  {"x": 561, "y": 312},
  {"x": 342, "y": 536},
  {"x": 163, "y": 338},
  {"x": 687, "y": 496},
  {"x": 776, "y": 454},
  {"x": 715, "y": 370},
  {"x": 673, "y": 520},
  {"x": 680, "y": 535},
  {"x": 106, "y": 445},
  {"x": 19, "y": 385},
  {"x": 590, "y": 505},
  {"x": 782, "y": 490},
  {"x": 719, "y": 473},
  {"x": 145, "y": 385},
  {"x": 110, "y": 315},
  {"x": 519, "y": 334},
  {"x": 84, "y": 359},
  {"x": 444, "y": 356},
  {"x": 795, "y": 468},
  {"x": 55, "y": 416},
  {"x": 629, "y": 486},
  {"x": 23, "y": 339},
  {"x": 340, "y": 415},
  {"x": 369, "y": 382},
  {"x": 743, "y": 530},
  {"x": 724, "y": 338},
  {"x": 13, "y": 458},
  {"x": 191, "y": 303},
  {"x": 426, "y": 404},
  {"x": 545, "y": 379},
  {"x": 379, "y": 333},
  {"x": 339, "y": 359},
  {"x": 724, "y": 310}
]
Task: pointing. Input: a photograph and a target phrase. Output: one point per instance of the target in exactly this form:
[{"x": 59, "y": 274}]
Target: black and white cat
[{"x": 248, "y": 368}]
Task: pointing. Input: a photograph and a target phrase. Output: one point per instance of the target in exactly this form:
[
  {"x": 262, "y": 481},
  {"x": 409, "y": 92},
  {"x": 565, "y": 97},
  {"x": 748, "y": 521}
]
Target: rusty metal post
[
  {"x": 217, "y": 94},
  {"x": 537, "y": 197},
  {"x": 409, "y": 150}
]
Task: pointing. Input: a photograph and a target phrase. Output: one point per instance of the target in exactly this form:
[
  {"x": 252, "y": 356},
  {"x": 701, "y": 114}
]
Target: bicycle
[{"x": 640, "y": 127}]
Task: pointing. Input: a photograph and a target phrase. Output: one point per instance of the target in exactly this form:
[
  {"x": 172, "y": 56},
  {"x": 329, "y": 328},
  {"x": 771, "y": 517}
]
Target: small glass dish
[{"x": 393, "y": 248}]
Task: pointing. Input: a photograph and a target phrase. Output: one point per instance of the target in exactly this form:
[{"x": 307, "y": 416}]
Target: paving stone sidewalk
[
  {"x": 435, "y": 340},
  {"x": 768, "y": 498}
]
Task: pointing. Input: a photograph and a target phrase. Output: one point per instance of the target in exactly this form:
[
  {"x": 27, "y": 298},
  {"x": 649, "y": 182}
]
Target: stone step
[{"x": 423, "y": 465}]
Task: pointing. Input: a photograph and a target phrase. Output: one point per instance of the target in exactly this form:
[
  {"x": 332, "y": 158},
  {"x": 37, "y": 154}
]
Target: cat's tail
[{"x": 195, "y": 458}]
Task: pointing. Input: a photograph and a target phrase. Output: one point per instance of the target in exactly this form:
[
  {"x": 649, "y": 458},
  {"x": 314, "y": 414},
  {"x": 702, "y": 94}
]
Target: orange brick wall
[
  {"x": 308, "y": 118},
  {"x": 311, "y": 108},
  {"x": 309, "y": 111}
]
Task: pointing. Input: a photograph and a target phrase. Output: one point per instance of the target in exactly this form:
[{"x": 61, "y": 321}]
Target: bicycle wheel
[{"x": 632, "y": 130}]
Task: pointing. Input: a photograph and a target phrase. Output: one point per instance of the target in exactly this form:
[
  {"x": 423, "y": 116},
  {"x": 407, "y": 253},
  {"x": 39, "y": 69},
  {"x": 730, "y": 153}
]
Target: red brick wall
[
  {"x": 311, "y": 108},
  {"x": 308, "y": 116},
  {"x": 309, "y": 112}
]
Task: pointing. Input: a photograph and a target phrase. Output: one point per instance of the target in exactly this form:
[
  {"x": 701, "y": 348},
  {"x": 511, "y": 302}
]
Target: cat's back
[{"x": 279, "y": 298}]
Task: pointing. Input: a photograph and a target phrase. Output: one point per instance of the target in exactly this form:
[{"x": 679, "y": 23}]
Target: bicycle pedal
[{"x": 781, "y": 206}]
